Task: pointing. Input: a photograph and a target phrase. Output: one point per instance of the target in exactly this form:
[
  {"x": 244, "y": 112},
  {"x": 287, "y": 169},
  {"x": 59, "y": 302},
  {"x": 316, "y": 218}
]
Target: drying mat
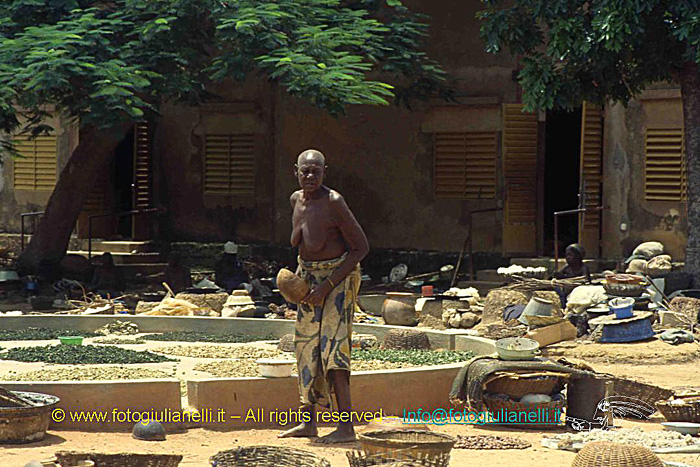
[
  {"x": 490, "y": 442},
  {"x": 468, "y": 386}
]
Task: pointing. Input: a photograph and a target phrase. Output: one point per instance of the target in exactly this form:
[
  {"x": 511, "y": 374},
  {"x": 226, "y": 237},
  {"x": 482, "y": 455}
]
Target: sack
[
  {"x": 637, "y": 265},
  {"x": 659, "y": 266},
  {"x": 584, "y": 297},
  {"x": 648, "y": 250}
]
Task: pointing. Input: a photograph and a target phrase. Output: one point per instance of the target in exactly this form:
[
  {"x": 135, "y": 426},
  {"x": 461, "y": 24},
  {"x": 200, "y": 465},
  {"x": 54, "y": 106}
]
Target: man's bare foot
[
  {"x": 340, "y": 435},
  {"x": 304, "y": 430}
]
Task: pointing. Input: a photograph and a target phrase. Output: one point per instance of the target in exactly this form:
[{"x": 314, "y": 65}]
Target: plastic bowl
[
  {"x": 622, "y": 307},
  {"x": 71, "y": 340},
  {"x": 684, "y": 428},
  {"x": 275, "y": 368}
]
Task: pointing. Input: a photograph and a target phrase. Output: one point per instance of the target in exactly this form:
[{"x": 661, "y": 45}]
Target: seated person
[
  {"x": 107, "y": 278},
  {"x": 229, "y": 272},
  {"x": 574, "y": 263},
  {"x": 176, "y": 275}
]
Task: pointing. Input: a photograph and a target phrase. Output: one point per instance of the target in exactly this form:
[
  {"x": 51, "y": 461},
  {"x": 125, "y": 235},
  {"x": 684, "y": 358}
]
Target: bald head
[{"x": 311, "y": 156}]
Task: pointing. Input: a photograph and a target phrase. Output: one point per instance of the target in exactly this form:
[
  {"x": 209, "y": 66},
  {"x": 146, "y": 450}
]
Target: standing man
[{"x": 331, "y": 245}]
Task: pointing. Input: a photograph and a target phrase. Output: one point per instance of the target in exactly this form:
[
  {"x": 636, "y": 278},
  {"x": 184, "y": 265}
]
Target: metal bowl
[
  {"x": 684, "y": 428},
  {"x": 517, "y": 348}
]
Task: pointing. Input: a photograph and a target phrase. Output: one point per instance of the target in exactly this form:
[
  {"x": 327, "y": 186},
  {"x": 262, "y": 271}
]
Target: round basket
[
  {"x": 509, "y": 412},
  {"x": 119, "y": 460},
  {"x": 363, "y": 459},
  {"x": 406, "y": 339},
  {"x": 675, "y": 411},
  {"x": 267, "y": 456},
  {"x": 606, "y": 454},
  {"x": 404, "y": 444},
  {"x": 644, "y": 392},
  {"x": 517, "y": 387},
  {"x": 286, "y": 343}
]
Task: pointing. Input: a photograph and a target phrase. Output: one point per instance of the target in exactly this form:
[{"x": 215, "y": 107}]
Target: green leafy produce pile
[
  {"x": 193, "y": 336},
  {"x": 81, "y": 354},
  {"x": 40, "y": 334},
  {"x": 415, "y": 357}
]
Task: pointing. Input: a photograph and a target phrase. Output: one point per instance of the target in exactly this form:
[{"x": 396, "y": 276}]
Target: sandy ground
[
  {"x": 674, "y": 367},
  {"x": 197, "y": 445}
]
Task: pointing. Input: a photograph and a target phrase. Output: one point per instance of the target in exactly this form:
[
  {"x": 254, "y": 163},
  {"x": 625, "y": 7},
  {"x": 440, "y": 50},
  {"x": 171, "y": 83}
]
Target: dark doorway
[
  {"x": 561, "y": 175},
  {"x": 124, "y": 183}
]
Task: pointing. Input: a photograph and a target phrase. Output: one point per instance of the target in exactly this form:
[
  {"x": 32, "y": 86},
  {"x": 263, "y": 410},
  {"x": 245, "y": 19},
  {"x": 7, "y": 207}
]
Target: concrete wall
[{"x": 623, "y": 173}]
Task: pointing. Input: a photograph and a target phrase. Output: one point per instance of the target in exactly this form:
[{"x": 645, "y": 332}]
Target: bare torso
[{"x": 315, "y": 228}]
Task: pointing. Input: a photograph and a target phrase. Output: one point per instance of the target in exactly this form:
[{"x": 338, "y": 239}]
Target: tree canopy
[
  {"x": 109, "y": 61},
  {"x": 592, "y": 49}
]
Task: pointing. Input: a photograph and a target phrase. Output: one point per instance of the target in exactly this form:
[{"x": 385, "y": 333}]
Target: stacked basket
[{"x": 681, "y": 409}]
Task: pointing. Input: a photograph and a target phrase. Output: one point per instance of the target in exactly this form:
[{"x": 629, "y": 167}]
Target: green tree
[
  {"x": 606, "y": 49},
  {"x": 107, "y": 64}
]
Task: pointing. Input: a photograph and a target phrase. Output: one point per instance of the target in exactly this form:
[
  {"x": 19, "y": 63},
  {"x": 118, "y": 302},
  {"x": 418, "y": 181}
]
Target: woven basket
[
  {"x": 68, "y": 458},
  {"x": 517, "y": 387},
  {"x": 363, "y": 459},
  {"x": 688, "y": 412},
  {"x": 606, "y": 454},
  {"x": 406, "y": 339},
  {"x": 402, "y": 444},
  {"x": 644, "y": 392},
  {"x": 267, "y": 456},
  {"x": 546, "y": 412}
]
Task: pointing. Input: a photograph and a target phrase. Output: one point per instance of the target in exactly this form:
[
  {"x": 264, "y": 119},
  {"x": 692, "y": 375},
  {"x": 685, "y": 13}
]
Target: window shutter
[
  {"x": 229, "y": 164},
  {"x": 36, "y": 170},
  {"x": 142, "y": 166},
  {"x": 665, "y": 174},
  {"x": 465, "y": 165}
]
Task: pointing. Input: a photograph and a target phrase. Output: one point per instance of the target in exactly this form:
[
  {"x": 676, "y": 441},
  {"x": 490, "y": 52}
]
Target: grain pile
[
  {"x": 219, "y": 351},
  {"x": 87, "y": 374},
  {"x": 497, "y": 300},
  {"x": 195, "y": 336},
  {"x": 119, "y": 340},
  {"x": 648, "y": 439},
  {"x": 490, "y": 442},
  {"x": 247, "y": 367}
]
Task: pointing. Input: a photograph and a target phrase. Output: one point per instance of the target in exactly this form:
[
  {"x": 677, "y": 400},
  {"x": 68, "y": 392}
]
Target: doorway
[
  {"x": 124, "y": 184},
  {"x": 562, "y": 177}
]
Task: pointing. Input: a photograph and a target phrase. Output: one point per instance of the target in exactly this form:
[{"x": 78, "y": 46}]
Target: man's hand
[{"x": 318, "y": 295}]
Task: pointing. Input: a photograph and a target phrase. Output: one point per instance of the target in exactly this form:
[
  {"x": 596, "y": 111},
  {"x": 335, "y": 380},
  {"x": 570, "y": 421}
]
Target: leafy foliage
[
  {"x": 196, "y": 336},
  {"x": 38, "y": 334},
  {"x": 416, "y": 357},
  {"x": 107, "y": 62},
  {"x": 81, "y": 354},
  {"x": 592, "y": 49}
]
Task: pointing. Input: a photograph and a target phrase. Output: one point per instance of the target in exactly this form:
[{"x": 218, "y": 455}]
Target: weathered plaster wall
[
  {"x": 14, "y": 202},
  {"x": 179, "y": 167},
  {"x": 659, "y": 107}
]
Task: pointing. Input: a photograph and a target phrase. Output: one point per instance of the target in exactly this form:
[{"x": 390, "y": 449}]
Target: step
[
  {"x": 123, "y": 246},
  {"x": 595, "y": 265},
  {"x": 123, "y": 258}
]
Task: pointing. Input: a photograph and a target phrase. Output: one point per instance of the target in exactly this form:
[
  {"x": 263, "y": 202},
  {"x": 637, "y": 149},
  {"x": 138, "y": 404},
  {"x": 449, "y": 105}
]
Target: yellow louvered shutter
[
  {"x": 520, "y": 174},
  {"x": 229, "y": 164},
  {"x": 591, "y": 176},
  {"x": 36, "y": 169},
  {"x": 664, "y": 169},
  {"x": 465, "y": 165}
]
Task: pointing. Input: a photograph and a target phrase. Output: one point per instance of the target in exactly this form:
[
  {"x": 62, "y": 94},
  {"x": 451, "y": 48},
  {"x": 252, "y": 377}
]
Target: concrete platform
[{"x": 103, "y": 405}]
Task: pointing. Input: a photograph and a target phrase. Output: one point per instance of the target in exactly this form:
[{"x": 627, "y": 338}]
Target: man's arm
[{"x": 353, "y": 235}]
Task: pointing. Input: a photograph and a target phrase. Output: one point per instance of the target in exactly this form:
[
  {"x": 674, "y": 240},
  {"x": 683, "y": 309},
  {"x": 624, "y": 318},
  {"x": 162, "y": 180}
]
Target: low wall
[
  {"x": 82, "y": 400},
  {"x": 267, "y": 402}
]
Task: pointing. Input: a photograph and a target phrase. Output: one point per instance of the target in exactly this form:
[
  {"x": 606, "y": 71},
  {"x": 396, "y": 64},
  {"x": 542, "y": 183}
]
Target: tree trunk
[
  {"x": 50, "y": 241},
  {"x": 690, "y": 90}
]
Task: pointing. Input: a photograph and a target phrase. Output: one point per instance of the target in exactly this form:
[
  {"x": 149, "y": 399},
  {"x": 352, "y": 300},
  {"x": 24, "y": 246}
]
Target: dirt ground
[
  {"x": 675, "y": 367},
  {"x": 197, "y": 445}
]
